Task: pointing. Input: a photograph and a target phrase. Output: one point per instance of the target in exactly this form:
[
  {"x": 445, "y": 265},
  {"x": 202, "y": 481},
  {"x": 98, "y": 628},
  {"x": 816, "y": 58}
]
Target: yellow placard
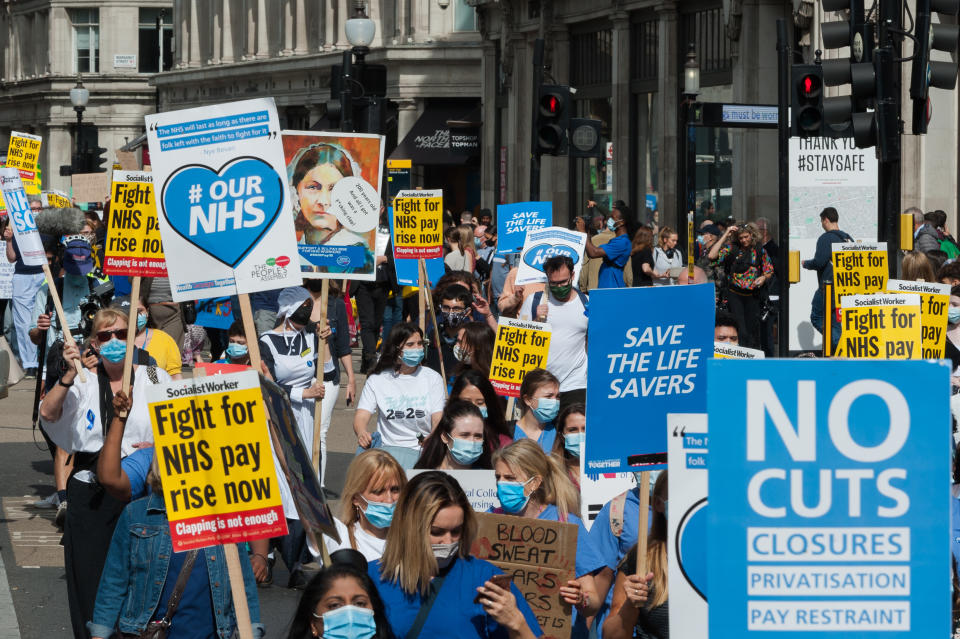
[
  {"x": 215, "y": 461},
  {"x": 399, "y": 164},
  {"x": 23, "y": 153},
  {"x": 883, "y": 326},
  {"x": 133, "y": 237},
  {"x": 521, "y": 346},
  {"x": 934, "y": 304},
  {"x": 56, "y": 199},
  {"x": 859, "y": 269},
  {"x": 418, "y": 225}
]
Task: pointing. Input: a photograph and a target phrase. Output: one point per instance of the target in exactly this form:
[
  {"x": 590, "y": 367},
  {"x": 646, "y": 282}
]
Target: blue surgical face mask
[
  {"x": 141, "y": 322},
  {"x": 236, "y": 351},
  {"x": 412, "y": 356},
  {"x": 953, "y": 314},
  {"x": 348, "y": 622},
  {"x": 510, "y": 494},
  {"x": 466, "y": 452},
  {"x": 483, "y": 410},
  {"x": 612, "y": 224},
  {"x": 573, "y": 443},
  {"x": 378, "y": 513},
  {"x": 114, "y": 350},
  {"x": 547, "y": 409}
]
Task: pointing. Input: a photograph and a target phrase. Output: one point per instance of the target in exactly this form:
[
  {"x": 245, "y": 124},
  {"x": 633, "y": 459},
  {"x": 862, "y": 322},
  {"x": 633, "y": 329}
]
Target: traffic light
[
  {"x": 806, "y": 105},
  {"x": 97, "y": 160},
  {"x": 586, "y": 139},
  {"x": 846, "y": 115},
  {"x": 553, "y": 119},
  {"x": 926, "y": 73}
]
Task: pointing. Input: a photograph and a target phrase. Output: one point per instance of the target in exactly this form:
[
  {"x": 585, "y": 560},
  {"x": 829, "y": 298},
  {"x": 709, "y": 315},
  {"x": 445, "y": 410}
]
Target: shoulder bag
[{"x": 158, "y": 629}]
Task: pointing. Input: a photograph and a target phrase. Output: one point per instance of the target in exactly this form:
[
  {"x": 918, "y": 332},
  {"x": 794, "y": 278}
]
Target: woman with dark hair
[
  {"x": 571, "y": 434},
  {"x": 748, "y": 269},
  {"x": 430, "y": 584},
  {"x": 473, "y": 386},
  {"x": 313, "y": 173},
  {"x": 341, "y": 601},
  {"x": 458, "y": 442},
  {"x": 407, "y": 398},
  {"x": 474, "y": 348}
]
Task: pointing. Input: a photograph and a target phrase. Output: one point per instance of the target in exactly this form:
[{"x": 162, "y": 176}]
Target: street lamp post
[
  {"x": 687, "y": 156},
  {"x": 79, "y": 97},
  {"x": 360, "y": 31}
]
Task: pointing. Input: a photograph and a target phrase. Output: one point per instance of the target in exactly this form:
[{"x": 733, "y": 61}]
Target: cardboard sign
[
  {"x": 133, "y": 234},
  {"x": 21, "y": 217},
  {"x": 540, "y": 555},
  {"x": 334, "y": 180},
  {"x": 885, "y": 326},
  {"x": 418, "y": 224},
  {"x": 515, "y": 220},
  {"x": 521, "y": 346},
  {"x": 725, "y": 350},
  {"x": 544, "y": 244},
  {"x": 215, "y": 313},
  {"x": 23, "y": 152},
  {"x": 647, "y": 358},
  {"x": 859, "y": 269},
  {"x": 934, "y": 305},
  {"x": 90, "y": 187},
  {"x": 222, "y": 199},
  {"x": 687, "y": 523},
  {"x": 127, "y": 160},
  {"x": 407, "y": 270},
  {"x": 293, "y": 459},
  {"x": 56, "y": 199},
  {"x": 213, "y": 451},
  {"x": 480, "y": 486},
  {"x": 829, "y": 502}
]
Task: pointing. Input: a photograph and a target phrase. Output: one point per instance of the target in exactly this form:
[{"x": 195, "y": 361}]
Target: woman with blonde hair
[
  {"x": 370, "y": 492},
  {"x": 917, "y": 267},
  {"x": 430, "y": 584},
  {"x": 463, "y": 255},
  {"x": 531, "y": 484},
  {"x": 640, "y": 605},
  {"x": 666, "y": 256},
  {"x": 641, "y": 254}
]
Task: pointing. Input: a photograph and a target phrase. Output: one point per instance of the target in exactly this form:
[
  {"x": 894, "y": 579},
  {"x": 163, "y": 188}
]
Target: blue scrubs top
[
  {"x": 610, "y": 274},
  {"x": 137, "y": 466},
  {"x": 545, "y": 440},
  {"x": 454, "y": 613}
]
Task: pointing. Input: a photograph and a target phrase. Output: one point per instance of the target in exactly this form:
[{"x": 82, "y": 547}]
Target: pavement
[{"x": 33, "y": 595}]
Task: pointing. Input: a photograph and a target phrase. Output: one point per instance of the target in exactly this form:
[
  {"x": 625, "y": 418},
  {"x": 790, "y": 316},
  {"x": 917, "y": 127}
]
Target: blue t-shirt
[
  {"x": 136, "y": 465},
  {"x": 547, "y": 435},
  {"x": 454, "y": 612},
  {"x": 194, "y": 617},
  {"x": 610, "y": 274}
]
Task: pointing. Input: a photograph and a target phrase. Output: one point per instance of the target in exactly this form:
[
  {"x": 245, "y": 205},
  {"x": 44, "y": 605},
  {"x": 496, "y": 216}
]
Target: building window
[
  {"x": 156, "y": 40},
  {"x": 644, "y": 42},
  {"x": 86, "y": 40},
  {"x": 706, "y": 30},
  {"x": 591, "y": 62},
  {"x": 464, "y": 16}
]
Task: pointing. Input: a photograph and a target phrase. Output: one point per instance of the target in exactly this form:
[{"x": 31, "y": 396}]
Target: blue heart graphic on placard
[
  {"x": 540, "y": 253},
  {"x": 692, "y": 547},
  {"x": 223, "y": 213}
]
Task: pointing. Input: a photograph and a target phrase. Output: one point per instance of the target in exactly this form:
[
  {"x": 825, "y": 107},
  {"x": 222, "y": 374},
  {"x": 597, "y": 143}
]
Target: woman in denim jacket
[{"x": 140, "y": 573}]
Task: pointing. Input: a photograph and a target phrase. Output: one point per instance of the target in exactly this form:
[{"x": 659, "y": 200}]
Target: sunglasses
[{"x": 105, "y": 336}]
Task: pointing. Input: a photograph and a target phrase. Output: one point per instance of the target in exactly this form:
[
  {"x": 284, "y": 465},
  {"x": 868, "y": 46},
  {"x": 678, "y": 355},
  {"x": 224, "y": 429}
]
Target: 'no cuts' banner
[
  {"x": 647, "y": 357},
  {"x": 829, "y": 499},
  {"x": 24, "y": 227}
]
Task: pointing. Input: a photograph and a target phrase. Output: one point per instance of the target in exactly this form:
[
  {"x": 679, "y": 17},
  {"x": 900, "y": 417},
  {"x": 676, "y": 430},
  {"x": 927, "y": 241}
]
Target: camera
[{"x": 99, "y": 297}]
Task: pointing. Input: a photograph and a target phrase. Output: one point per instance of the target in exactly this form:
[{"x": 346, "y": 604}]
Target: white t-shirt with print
[
  {"x": 404, "y": 404},
  {"x": 567, "y": 357},
  {"x": 369, "y": 546}
]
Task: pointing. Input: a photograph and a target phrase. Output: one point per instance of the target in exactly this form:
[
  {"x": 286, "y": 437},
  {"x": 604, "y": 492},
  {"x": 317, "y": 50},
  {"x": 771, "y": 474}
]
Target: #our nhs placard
[
  {"x": 222, "y": 199},
  {"x": 647, "y": 355},
  {"x": 829, "y": 499},
  {"x": 543, "y": 244},
  {"x": 514, "y": 220}
]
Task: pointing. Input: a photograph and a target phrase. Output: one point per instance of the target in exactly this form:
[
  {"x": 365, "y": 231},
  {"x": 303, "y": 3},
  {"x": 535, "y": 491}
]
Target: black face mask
[
  {"x": 301, "y": 316},
  {"x": 454, "y": 319}
]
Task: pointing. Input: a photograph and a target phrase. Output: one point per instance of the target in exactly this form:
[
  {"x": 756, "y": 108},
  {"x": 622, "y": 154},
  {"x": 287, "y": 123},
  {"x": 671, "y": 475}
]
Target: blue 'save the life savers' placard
[
  {"x": 829, "y": 499},
  {"x": 514, "y": 220}
]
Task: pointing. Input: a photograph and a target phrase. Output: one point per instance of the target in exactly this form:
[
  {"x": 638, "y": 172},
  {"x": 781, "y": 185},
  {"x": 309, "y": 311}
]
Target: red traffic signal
[
  {"x": 810, "y": 86},
  {"x": 552, "y": 120},
  {"x": 550, "y": 104}
]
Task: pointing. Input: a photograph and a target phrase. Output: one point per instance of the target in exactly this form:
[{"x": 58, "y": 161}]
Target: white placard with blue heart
[
  {"x": 543, "y": 244},
  {"x": 222, "y": 199},
  {"x": 21, "y": 217}
]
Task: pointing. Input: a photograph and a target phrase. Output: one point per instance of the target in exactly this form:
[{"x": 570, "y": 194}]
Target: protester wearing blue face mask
[
  {"x": 473, "y": 386},
  {"x": 571, "y": 435},
  {"x": 237, "y": 351},
  {"x": 159, "y": 344},
  {"x": 341, "y": 602},
  {"x": 458, "y": 441},
  {"x": 406, "y": 397},
  {"x": 539, "y": 406},
  {"x": 75, "y": 414}
]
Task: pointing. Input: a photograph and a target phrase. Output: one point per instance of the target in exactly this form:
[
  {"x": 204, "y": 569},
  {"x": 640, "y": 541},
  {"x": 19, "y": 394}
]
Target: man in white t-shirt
[{"x": 565, "y": 308}]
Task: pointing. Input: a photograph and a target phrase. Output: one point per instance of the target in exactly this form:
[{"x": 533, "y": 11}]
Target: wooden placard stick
[
  {"x": 428, "y": 296},
  {"x": 321, "y": 360},
  {"x": 67, "y": 336},
  {"x": 421, "y": 292},
  {"x": 131, "y": 336},
  {"x": 644, "y": 522},
  {"x": 250, "y": 332}
]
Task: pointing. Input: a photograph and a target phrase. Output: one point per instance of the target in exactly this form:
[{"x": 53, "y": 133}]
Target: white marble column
[
  {"x": 287, "y": 28},
  {"x": 226, "y": 24},
  {"x": 216, "y": 28},
  {"x": 263, "y": 38},
  {"x": 250, "y": 15},
  {"x": 195, "y": 59},
  {"x": 301, "y": 45},
  {"x": 183, "y": 42}
]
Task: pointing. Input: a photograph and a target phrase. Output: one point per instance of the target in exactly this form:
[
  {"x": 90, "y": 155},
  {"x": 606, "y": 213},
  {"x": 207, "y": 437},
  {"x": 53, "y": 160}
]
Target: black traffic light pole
[
  {"x": 534, "y": 111},
  {"x": 346, "y": 96},
  {"x": 889, "y": 128},
  {"x": 783, "y": 193}
]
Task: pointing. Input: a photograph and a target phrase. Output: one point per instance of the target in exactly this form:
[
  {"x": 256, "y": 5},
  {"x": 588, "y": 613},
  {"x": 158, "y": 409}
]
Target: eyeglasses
[
  {"x": 105, "y": 336},
  {"x": 450, "y": 309}
]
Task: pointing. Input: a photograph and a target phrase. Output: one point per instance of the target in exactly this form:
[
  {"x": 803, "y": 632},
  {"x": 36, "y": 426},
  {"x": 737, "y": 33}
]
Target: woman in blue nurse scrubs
[
  {"x": 429, "y": 583},
  {"x": 539, "y": 405}
]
